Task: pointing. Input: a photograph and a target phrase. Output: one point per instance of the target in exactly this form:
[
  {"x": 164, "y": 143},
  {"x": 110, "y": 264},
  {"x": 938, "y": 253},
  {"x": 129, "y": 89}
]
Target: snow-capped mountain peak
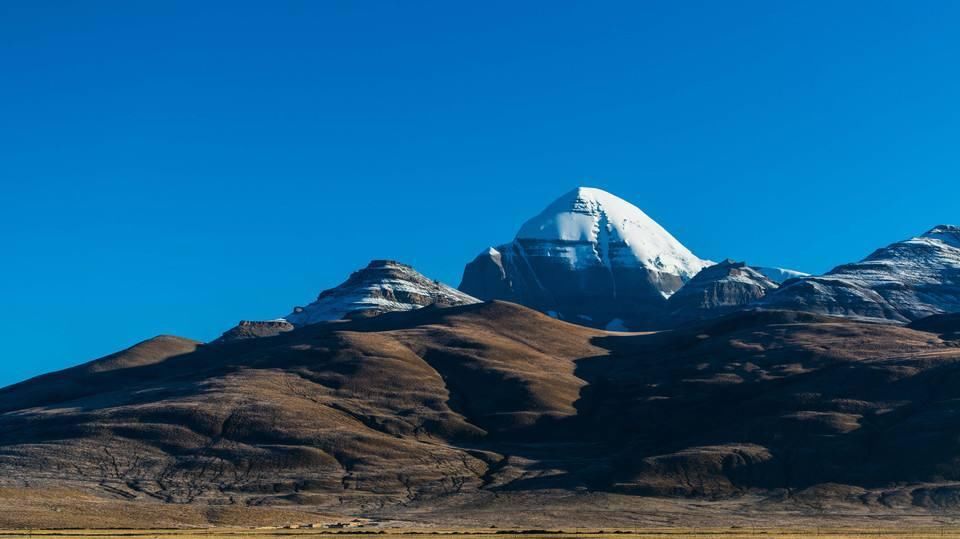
[
  {"x": 948, "y": 234},
  {"x": 589, "y": 257},
  {"x": 594, "y": 216},
  {"x": 382, "y": 286}
]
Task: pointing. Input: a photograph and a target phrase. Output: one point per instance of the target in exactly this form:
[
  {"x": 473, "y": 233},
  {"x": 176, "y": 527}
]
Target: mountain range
[
  {"x": 592, "y": 371},
  {"x": 596, "y": 260}
]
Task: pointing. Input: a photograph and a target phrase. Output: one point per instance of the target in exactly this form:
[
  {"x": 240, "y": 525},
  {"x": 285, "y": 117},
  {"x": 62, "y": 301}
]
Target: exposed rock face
[
  {"x": 905, "y": 281},
  {"x": 718, "y": 290},
  {"x": 590, "y": 257},
  {"x": 485, "y": 277},
  {"x": 383, "y": 286},
  {"x": 249, "y": 329}
]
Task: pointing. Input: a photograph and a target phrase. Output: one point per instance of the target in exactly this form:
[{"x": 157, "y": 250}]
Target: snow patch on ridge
[{"x": 779, "y": 275}]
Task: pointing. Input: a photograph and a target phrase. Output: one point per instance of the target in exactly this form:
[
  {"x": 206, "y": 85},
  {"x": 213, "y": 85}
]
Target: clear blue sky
[{"x": 175, "y": 166}]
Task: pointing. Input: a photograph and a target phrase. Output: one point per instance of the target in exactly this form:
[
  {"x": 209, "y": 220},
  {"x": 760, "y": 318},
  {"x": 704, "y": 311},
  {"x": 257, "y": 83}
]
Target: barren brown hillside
[{"x": 497, "y": 406}]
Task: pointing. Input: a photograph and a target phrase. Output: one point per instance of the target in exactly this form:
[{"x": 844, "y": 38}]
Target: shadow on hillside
[{"x": 760, "y": 401}]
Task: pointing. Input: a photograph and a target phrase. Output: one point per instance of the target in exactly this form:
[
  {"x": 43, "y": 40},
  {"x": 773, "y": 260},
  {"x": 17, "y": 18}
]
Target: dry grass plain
[{"x": 652, "y": 533}]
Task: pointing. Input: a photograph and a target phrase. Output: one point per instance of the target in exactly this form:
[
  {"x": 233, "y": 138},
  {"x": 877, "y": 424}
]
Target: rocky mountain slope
[
  {"x": 455, "y": 407},
  {"x": 589, "y": 257},
  {"x": 905, "y": 281},
  {"x": 383, "y": 286},
  {"x": 718, "y": 290}
]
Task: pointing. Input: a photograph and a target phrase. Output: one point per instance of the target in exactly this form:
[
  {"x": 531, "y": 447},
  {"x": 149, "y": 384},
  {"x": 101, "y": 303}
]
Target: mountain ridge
[{"x": 902, "y": 282}]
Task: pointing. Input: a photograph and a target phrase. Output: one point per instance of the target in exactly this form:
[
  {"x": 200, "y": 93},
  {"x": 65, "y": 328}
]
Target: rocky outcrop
[
  {"x": 718, "y": 290},
  {"x": 252, "y": 329},
  {"x": 486, "y": 277},
  {"x": 905, "y": 281},
  {"x": 383, "y": 286},
  {"x": 590, "y": 258}
]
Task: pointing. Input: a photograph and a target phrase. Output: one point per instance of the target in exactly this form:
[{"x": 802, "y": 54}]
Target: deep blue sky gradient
[{"x": 175, "y": 166}]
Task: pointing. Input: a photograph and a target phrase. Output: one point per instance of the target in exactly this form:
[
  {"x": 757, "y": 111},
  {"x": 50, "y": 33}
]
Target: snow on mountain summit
[
  {"x": 948, "y": 234},
  {"x": 596, "y": 217},
  {"x": 904, "y": 281},
  {"x": 589, "y": 257},
  {"x": 382, "y": 286}
]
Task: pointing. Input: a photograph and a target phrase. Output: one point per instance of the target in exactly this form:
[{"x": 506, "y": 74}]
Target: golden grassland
[{"x": 652, "y": 533}]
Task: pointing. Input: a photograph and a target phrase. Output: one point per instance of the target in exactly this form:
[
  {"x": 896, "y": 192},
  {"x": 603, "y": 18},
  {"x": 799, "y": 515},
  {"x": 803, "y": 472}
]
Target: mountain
[
  {"x": 384, "y": 409},
  {"x": 382, "y": 286},
  {"x": 905, "y": 281},
  {"x": 718, "y": 290},
  {"x": 495, "y": 414},
  {"x": 589, "y": 257}
]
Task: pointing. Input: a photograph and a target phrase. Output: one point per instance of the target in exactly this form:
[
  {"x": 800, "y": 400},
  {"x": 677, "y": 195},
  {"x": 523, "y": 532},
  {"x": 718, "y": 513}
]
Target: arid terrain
[
  {"x": 494, "y": 414},
  {"x": 637, "y": 533},
  {"x": 539, "y": 269}
]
